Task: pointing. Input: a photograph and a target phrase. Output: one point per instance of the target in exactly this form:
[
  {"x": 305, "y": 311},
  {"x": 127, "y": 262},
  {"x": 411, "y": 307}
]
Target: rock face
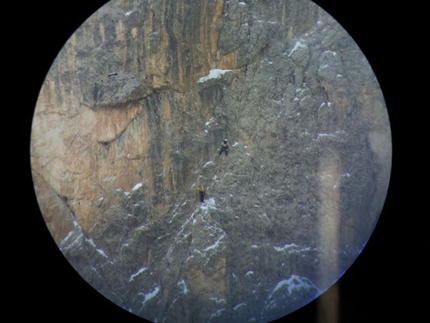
[{"x": 129, "y": 121}]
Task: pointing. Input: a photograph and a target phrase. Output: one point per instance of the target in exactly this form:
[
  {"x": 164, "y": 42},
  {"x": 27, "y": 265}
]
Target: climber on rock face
[
  {"x": 224, "y": 148},
  {"x": 202, "y": 192}
]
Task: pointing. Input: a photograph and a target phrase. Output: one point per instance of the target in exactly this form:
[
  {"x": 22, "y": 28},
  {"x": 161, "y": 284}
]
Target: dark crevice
[
  {"x": 107, "y": 143},
  {"x": 64, "y": 199}
]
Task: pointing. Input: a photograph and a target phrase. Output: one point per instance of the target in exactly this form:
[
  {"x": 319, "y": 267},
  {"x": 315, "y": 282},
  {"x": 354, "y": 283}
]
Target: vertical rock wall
[{"x": 129, "y": 120}]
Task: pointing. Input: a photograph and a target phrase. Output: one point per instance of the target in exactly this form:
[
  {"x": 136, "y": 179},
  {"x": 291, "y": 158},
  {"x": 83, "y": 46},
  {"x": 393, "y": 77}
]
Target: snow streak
[
  {"x": 296, "y": 46},
  {"x": 213, "y": 74},
  {"x": 140, "y": 271},
  {"x": 136, "y": 187},
  {"x": 183, "y": 286},
  {"x": 214, "y": 245},
  {"x": 150, "y": 295},
  {"x": 292, "y": 284}
]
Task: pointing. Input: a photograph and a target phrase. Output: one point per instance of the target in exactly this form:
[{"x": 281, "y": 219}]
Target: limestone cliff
[{"x": 129, "y": 121}]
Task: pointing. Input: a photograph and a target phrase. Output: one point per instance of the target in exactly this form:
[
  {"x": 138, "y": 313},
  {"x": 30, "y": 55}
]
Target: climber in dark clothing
[
  {"x": 201, "y": 191},
  {"x": 224, "y": 148}
]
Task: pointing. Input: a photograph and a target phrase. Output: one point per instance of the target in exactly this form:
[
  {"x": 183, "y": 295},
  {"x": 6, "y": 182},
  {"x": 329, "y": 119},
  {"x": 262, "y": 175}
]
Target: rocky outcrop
[{"x": 129, "y": 121}]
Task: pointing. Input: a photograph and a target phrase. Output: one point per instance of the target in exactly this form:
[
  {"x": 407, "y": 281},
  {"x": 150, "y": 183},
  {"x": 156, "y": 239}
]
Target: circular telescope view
[{"x": 211, "y": 160}]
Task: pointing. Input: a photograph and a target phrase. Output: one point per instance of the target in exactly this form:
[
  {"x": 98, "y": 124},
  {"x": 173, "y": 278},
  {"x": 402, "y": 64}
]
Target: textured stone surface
[{"x": 126, "y": 126}]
